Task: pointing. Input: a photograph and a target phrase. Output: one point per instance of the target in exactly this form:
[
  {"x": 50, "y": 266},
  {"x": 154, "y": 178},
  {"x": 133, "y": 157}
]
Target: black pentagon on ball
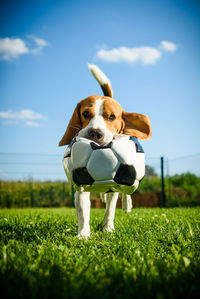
[
  {"x": 125, "y": 175},
  {"x": 82, "y": 177}
]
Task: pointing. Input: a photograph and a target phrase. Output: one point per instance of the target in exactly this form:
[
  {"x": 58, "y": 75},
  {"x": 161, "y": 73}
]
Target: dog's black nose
[{"x": 95, "y": 134}]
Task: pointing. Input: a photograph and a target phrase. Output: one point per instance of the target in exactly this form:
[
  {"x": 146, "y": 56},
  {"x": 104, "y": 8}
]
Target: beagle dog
[{"x": 100, "y": 118}]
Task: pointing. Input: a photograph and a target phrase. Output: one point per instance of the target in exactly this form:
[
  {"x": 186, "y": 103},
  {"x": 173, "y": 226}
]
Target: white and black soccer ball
[{"x": 118, "y": 166}]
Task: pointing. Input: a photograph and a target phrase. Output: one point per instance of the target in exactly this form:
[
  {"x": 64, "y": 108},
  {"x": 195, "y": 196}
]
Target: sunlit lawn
[{"x": 154, "y": 253}]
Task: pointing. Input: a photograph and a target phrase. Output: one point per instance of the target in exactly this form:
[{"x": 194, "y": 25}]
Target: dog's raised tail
[{"x": 102, "y": 79}]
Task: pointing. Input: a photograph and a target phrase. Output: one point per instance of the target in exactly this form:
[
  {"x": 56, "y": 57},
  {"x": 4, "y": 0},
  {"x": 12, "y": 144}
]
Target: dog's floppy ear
[
  {"x": 136, "y": 125},
  {"x": 73, "y": 128}
]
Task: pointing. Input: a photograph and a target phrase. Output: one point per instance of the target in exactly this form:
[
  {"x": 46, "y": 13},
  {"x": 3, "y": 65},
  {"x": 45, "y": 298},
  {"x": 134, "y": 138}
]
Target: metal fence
[
  {"x": 48, "y": 169},
  {"x": 43, "y": 167}
]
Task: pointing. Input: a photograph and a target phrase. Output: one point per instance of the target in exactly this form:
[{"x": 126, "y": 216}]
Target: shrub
[
  {"x": 33, "y": 194},
  {"x": 181, "y": 190}
]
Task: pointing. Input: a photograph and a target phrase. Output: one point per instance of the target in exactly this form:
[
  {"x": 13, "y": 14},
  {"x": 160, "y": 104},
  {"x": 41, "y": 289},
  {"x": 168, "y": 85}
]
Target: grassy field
[{"x": 154, "y": 253}]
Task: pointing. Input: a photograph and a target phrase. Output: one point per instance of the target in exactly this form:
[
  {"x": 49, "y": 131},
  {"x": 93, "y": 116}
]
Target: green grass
[{"x": 154, "y": 253}]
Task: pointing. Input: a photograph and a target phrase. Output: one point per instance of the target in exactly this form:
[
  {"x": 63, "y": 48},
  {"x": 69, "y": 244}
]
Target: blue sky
[{"x": 148, "y": 49}]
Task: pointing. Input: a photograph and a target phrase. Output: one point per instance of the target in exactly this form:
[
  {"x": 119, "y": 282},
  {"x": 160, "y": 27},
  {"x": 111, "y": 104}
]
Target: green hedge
[
  {"x": 34, "y": 194},
  {"x": 181, "y": 190}
]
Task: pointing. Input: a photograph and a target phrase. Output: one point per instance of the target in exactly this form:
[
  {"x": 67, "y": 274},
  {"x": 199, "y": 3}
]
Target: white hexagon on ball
[
  {"x": 125, "y": 150},
  {"x": 138, "y": 161},
  {"x": 102, "y": 164},
  {"x": 80, "y": 153}
]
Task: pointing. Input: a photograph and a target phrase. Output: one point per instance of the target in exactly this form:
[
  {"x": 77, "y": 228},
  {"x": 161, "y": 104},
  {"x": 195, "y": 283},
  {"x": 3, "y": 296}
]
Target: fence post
[
  {"x": 32, "y": 194},
  {"x": 163, "y": 195}
]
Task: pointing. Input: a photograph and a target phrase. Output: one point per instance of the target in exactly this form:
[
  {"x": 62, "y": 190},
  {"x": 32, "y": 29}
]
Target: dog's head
[{"x": 100, "y": 118}]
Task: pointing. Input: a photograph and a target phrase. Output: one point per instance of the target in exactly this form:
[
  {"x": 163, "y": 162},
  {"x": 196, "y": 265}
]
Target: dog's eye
[
  {"x": 86, "y": 114},
  {"x": 112, "y": 117}
]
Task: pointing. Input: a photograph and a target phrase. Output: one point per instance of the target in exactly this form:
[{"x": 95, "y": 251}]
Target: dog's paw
[
  {"x": 108, "y": 228},
  {"x": 127, "y": 211},
  {"x": 83, "y": 235}
]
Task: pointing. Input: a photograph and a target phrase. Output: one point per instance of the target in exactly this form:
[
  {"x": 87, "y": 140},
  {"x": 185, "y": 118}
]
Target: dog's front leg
[
  {"x": 82, "y": 204},
  {"x": 108, "y": 221}
]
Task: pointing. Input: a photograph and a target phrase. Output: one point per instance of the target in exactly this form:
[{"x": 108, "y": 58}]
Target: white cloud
[
  {"x": 11, "y": 48},
  {"x": 38, "y": 44},
  {"x": 168, "y": 46},
  {"x": 41, "y": 42},
  {"x": 145, "y": 55},
  {"x": 12, "y": 117},
  {"x": 32, "y": 123},
  {"x": 23, "y": 114}
]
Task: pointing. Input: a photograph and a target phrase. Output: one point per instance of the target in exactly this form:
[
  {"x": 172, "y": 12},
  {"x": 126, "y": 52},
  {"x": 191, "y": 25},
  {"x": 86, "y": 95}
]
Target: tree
[{"x": 150, "y": 171}]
